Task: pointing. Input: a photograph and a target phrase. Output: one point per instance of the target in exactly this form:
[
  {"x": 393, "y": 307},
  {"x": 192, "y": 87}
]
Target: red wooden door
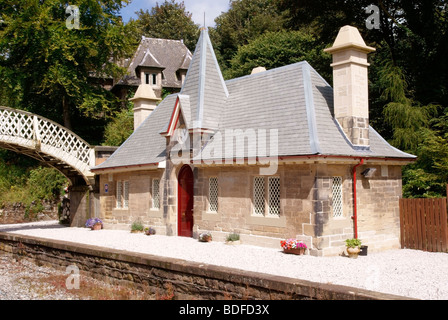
[{"x": 185, "y": 202}]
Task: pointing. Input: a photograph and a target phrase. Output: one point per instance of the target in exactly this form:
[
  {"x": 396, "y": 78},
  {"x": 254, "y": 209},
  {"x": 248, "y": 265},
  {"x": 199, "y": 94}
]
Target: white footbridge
[{"x": 45, "y": 140}]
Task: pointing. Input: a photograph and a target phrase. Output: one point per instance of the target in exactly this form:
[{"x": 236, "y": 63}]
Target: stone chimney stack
[
  {"x": 350, "y": 84},
  {"x": 145, "y": 101}
]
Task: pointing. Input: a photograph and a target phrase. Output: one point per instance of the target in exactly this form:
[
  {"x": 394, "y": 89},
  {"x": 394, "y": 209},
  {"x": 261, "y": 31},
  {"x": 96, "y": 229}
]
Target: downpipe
[{"x": 355, "y": 205}]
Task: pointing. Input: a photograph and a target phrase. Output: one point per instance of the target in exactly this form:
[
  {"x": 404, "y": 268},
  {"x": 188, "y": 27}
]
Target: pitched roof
[
  {"x": 169, "y": 55},
  {"x": 297, "y": 103},
  {"x": 293, "y": 101},
  {"x": 145, "y": 146}
]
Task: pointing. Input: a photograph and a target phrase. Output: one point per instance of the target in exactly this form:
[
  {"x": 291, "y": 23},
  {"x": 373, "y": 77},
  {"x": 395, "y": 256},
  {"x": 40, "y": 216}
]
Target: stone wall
[
  {"x": 306, "y": 207},
  {"x": 140, "y": 200},
  {"x": 377, "y": 209},
  {"x": 235, "y": 204},
  {"x": 185, "y": 280},
  {"x": 306, "y": 200}
]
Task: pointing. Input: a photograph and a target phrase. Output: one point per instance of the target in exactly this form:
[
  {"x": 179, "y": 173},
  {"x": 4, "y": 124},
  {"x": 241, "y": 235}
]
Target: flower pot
[
  {"x": 150, "y": 232},
  {"x": 205, "y": 239},
  {"x": 296, "y": 251},
  {"x": 353, "y": 252},
  {"x": 97, "y": 226},
  {"x": 363, "y": 250}
]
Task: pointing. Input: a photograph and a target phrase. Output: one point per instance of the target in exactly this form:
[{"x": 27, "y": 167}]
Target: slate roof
[
  {"x": 293, "y": 100},
  {"x": 145, "y": 146},
  {"x": 169, "y": 55}
]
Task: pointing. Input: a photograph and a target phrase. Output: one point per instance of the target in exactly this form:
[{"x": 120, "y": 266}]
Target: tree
[
  {"x": 244, "y": 21},
  {"x": 276, "y": 49},
  {"x": 48, "y": 68},
  {"x": 170, "y": 20},
  {"x": 120, "y": 128},
  {"x": 428, "y": 177}
]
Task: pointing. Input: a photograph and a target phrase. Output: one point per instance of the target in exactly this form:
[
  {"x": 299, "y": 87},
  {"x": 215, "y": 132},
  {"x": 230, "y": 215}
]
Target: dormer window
[{"x": 151, "y": 78}]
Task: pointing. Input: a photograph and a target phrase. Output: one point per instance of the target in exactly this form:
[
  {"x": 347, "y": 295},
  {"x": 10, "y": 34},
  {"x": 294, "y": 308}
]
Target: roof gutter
[
  {"x": 157, "y": 165},
  {"x": 313, "y": 157}
]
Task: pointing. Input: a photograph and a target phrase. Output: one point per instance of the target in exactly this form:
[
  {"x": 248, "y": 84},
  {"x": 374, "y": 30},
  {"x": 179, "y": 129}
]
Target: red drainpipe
[{"x": 355, "y": 207}]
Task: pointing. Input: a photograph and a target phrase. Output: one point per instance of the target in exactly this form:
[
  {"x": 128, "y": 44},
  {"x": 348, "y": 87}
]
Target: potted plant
[
  {"x": 205, "y": 237},
  {"x": 137, "y": 227},
  {"x": 94, "y": 224},
  {"x": 293, "y": 246},
  {"x": 353, "y": 247},
  {"x": 150, "y": 231},
  {"x": 233, "y": 238}
]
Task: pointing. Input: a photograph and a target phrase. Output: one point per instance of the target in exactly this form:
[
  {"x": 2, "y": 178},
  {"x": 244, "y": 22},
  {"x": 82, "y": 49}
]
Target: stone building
[
  {"x": 160, "y": 63},
  {"x": 273, "y": 155}
]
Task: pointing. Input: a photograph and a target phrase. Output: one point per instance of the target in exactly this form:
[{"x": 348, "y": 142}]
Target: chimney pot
[{"x": 258, "y": 70}]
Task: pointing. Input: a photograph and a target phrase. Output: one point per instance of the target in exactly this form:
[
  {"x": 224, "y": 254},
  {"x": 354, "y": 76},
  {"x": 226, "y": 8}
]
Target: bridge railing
[{"x": 35, "y": 132}]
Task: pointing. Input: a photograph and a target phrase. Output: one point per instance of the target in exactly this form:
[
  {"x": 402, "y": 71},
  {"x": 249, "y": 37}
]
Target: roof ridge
[
  {"x": 261, "y": 74},
  {"x": 162, "y": 39},
  {"x": 310, "y": 109}
]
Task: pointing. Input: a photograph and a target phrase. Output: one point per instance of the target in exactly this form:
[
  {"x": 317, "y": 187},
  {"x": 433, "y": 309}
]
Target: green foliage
[
  {"x": 244, "y": 21},
  {"x": 416, "y": 129},
  {"x": 276, "y": 49},
  {"x": 170, "y": 20},
  {"x": 54, "y": 71},
  {"x": 353, "y": 243},
  {"x": 120, "y": 128},
  {"x": 46, "y": 183},
  {"x": 137, "y": 225},
  {"x": 428, "y": 177},
  {"x": 21, "y": 181},
  {"x": 233, "y": 237}
]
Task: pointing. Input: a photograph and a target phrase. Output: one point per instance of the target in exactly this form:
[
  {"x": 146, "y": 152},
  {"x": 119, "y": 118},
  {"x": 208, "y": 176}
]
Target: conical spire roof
[{"x": 205, "y": 86}]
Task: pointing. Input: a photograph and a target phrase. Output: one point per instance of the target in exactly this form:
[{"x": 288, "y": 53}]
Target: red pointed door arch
[{"x": 185, "y": 197}]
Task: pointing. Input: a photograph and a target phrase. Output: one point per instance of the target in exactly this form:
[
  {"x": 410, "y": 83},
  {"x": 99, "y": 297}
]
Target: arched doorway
[{"x": 185, "y": 194}]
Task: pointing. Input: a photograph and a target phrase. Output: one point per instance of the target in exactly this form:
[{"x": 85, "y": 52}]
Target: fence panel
[{"x": 424, "y": 224}]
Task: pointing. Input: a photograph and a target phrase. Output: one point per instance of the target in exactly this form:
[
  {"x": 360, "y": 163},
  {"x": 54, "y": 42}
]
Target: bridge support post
[{"x": 83, "y": 205}]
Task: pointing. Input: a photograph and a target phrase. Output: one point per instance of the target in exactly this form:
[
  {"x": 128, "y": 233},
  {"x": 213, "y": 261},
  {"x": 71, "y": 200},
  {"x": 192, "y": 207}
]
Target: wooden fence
[{"x": 424, "y": 224}]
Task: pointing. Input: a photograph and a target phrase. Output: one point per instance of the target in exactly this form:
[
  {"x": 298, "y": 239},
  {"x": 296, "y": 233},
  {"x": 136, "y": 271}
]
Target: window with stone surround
[
  {"x": 119, "y": 195},
  {"x": 156, "y": 193},
  {"x": 126, "y": 194},
  {"x": 336, "y": 189},
  {"x": 122, "y": 194},
  {"x": 213, "y": 194},
  {"x": 266, "y": 196},
  {"x": 259, "y": 196},
  {"x": 274, "y": 196}
]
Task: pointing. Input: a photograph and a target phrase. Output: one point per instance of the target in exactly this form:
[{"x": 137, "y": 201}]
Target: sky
[{"x": 212, "y": 9}]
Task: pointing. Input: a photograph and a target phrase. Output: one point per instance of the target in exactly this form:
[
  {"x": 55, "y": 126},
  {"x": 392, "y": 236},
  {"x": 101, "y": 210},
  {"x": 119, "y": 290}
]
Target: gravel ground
[
  {"x": 408, "y": 273},
  {"x": 19, "y": 280}
]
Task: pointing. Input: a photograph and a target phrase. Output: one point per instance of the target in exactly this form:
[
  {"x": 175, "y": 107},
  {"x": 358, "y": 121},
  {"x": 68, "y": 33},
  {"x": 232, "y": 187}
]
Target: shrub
[
  {"x": 137, "y": 225},
  {"x": 233, "y": 237}
]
